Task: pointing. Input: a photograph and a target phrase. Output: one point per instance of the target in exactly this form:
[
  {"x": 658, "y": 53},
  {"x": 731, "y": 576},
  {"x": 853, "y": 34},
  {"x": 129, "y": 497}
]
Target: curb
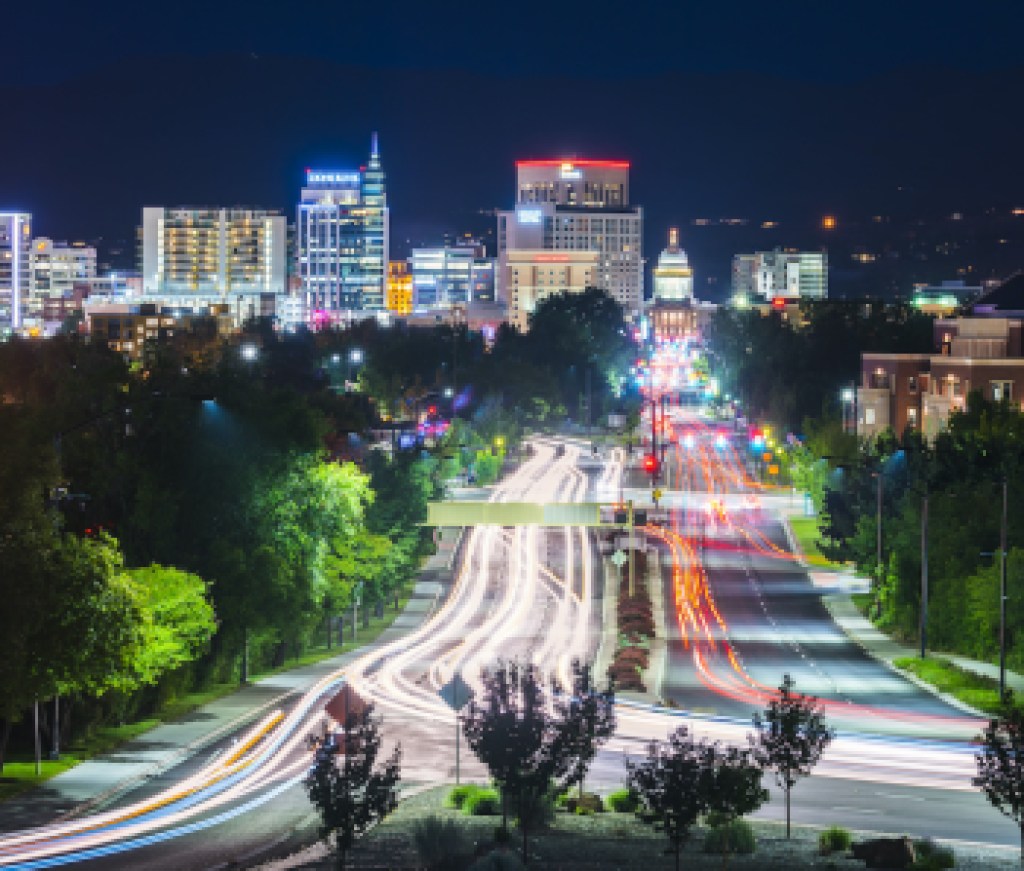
[{"x": 953, "y": 702}]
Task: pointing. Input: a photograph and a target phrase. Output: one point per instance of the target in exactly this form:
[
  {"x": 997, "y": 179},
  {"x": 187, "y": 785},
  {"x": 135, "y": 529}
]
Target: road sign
[
  {"x": 456, "y": 694},
  {"x": 346, "y": 701},
  {"x": 619, "y": 558},
  {"x": 656, "y": 494}
]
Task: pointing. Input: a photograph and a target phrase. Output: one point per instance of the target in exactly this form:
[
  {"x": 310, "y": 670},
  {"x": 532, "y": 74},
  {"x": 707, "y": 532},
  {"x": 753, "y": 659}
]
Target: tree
[
  {"x": 588, "y": 715},
  {"x": 1000, "y": 761},
  {"x": 791, "y": 736},
  {"x": 733, "y": 787},
  {"x": 177, "y": 620},
  {"x": 348, "y": 788},
  {"x": 526, "y": 749},
  {"x": 671, "y": 784}
]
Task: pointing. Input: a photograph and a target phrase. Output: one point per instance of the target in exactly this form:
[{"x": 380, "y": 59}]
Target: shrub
[
  {"x": 631, "y": 657},
  {"x": 588, "y": 803},
  {"x": 498, "y": 860},
  {"x": 733, "y": 837},
  {"x": 932, "y": 857},
  {"x": 458, "y": 795},
  {"x": 834, "y": 839},
  {"x": 622, "y": 801},
  {"x": 440, "y": 844},
  {"x": 482, "y": 803},
  {"x": 626, "y": 678}
]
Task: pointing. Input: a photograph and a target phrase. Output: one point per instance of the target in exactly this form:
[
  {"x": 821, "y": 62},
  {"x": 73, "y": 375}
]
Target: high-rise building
[
  {"x": 577, "y": 205},
  {"x": 673, "y": 277},
  {"x": 443, "y": 277},
  {"x": 780, "y": 274},
  {"x": 199, "y": 257},
  {"x": 342, "y": 239},
  {"x": 56, "y": 267},
  {"x": 15, "y": 276}
]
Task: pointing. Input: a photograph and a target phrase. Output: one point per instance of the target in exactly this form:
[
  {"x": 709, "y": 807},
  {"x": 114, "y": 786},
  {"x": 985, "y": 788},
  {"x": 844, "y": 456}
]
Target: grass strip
[
  {"x": 976, "y": 690},
  {"x": 808, "y": 538}
]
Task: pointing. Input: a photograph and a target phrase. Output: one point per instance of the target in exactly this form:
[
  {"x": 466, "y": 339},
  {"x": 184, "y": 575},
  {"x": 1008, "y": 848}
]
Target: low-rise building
[
  {"x": 132, "y": 329},
  {"x": 532, "y": 275},
  {"x": 398, "y": 292},
  {"x": 983, "y": 352}
]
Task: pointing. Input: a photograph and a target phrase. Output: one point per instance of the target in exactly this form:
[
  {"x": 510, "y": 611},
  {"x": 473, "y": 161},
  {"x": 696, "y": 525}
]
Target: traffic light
[
  {"x": 651, "y": 464},
  {"x": 431, "y": 410},
  {"x": 640, "y": 518}
]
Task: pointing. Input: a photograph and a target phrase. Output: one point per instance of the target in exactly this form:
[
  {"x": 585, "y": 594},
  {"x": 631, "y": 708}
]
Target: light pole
[
  {"x": 923, "y": 630},
  {"x": 1002, "y": 597},
  {"x": 878, "y": 526},
  {"x": 1002, "y": 593}
]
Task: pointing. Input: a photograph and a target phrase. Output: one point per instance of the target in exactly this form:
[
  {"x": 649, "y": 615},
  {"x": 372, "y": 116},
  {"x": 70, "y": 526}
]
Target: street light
[
  {"x": 849, "y": 398},
  {"x": 355, "y": 358}
]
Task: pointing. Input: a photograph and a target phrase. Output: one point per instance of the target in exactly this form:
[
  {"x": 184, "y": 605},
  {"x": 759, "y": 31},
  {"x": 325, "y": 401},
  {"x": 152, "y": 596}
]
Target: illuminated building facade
[
  {"x": 15, "y": 251},
  {"x": 780, "y": 274},
  {"x": 532, "y": 275},
  {"x": 398, "y": 296},
  {"x": 198, "y": 257},
  {"x": 443, "y": 277},
  {"x": 342, "y": 240},
  {"x": 55, "y": 269},
  {"x": 673, "y": 277},
  {"x": 572, "y": 206}
]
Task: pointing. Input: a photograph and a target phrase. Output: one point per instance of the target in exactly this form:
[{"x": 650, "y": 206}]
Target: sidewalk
[
  {"x": 102, "y": 780},
  {"x": 879, "y": 645}
]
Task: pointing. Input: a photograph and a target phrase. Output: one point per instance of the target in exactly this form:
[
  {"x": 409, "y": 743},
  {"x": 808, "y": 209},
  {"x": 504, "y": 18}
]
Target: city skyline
[{"x": 880, "y": 112}]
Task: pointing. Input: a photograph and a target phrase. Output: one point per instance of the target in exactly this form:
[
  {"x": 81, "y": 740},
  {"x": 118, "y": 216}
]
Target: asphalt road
[{"x": 774, "y": 620}]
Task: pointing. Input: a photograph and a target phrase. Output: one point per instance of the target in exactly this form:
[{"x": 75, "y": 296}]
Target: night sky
[{"x": 780, "y": 111}]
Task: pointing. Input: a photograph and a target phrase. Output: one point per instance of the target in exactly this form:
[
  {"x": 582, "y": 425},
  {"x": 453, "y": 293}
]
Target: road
[{"x": 532, "y": 593}]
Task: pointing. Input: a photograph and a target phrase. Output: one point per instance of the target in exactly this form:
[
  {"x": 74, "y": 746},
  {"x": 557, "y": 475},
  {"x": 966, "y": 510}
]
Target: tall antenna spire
[{"x": 374, "y": 149}]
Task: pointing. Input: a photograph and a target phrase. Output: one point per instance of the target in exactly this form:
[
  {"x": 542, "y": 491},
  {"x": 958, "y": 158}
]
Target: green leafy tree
[
  {"x": 790, "y": 737},
  {"x": 1000, "y": 761},
  {"x": 177, "y": 620},
  {"x": 348, "y": 788}
]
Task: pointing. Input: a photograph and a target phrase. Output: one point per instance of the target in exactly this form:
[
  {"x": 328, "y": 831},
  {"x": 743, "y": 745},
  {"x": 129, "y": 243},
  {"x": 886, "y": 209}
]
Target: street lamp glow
[
  {"x": 355, "y": 356},
  {"x": 249, "y": 352},
  {"x": 847, "y": 394},
  {"x": 335, "y": 359}
]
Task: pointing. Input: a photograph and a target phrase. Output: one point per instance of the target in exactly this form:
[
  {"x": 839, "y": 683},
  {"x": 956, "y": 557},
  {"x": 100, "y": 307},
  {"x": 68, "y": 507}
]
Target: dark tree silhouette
[
  {"x": 671, "y": 784},
  {"x": 530, "y": 748},
  {"x": 791, "y": 736},
  {"x": 588, "y": 718},
  {"x": 350, "y": 793},
  {"x": 1000, "y": 760}
]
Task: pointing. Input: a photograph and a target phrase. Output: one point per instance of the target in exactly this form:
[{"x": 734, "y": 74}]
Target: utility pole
[
  {"x": 924, "y": 574},
  {"x": 1002, "y": 598}
]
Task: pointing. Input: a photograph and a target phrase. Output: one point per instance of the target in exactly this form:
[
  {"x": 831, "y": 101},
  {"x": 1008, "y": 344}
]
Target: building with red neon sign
[{"x": 571, "y": 206}]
